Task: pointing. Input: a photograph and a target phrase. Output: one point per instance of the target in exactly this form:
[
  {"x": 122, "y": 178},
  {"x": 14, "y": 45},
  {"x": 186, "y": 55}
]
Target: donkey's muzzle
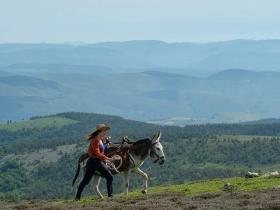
[{"x": 161, "y": 161}]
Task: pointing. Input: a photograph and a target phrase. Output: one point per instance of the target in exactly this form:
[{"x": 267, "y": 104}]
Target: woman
[{"x": 96, "y": 161}]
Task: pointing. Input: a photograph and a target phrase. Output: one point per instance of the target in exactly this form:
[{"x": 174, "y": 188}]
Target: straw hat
[{"x": 99, "y": 127}]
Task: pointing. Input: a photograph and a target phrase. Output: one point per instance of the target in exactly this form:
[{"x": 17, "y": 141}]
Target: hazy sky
[{"x": 117, "y": 20}]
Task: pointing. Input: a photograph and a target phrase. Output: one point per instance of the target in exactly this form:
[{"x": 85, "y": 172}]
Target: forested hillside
[{"x": 39, "y": 156}]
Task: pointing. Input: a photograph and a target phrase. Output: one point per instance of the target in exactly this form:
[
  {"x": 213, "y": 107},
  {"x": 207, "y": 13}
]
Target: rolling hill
[
  {"x": 232, "y": 95},
  {"x": 39, "y": 156}
]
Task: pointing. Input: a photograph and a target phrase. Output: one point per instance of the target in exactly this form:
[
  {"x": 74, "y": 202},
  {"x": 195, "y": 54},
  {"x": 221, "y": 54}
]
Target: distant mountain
[
  {"x": 19, "y": 80},
  {"x": 166, "y": 74},
  {"x": 196, "y": 59},
  {"x": 241, "y": 74},
  {"x": 229, "y": 81},
  {"x": 263, "y": 121},
  {"x": 21, "y": 95},
  {"x": 236, "y": 74},
  {"x": 5, "y": 73},
  {"x": 61, "y": 68},
  {"x": 228, "y": 96}
]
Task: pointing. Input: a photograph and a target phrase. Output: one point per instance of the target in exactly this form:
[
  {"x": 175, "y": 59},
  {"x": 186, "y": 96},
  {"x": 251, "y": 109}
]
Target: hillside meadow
[
  {"x": 39, "y": 156},
  {"x": 255, "y": 193}
]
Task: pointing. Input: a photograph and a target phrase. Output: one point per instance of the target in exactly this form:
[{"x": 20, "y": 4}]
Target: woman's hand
[{"x": 109, "y": 160}]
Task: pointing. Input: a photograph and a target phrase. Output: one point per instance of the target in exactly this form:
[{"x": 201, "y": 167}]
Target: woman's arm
[{"x": 96, "y": 150}]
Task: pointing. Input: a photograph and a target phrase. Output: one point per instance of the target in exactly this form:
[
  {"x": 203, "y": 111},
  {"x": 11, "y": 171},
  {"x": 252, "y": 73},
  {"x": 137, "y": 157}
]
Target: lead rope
[
  {"x": 113, "y": 166},
  {"x": 131, "y": 158}
]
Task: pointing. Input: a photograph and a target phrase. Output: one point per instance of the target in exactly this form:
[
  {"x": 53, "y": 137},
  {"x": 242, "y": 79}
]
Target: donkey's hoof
[{"x": 144, "y": 191}]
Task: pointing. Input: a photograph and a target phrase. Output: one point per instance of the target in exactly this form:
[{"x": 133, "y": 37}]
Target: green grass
[
  {"x": 196, "y": 188},
  {"x": 211, "y": 186},
  {"x": 261, "y": 168},
  {"x": 38, "y": 123}
]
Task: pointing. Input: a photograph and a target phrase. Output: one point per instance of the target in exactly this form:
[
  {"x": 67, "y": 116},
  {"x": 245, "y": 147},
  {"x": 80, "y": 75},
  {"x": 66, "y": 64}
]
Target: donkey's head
[{"x": 157, "y": 149}]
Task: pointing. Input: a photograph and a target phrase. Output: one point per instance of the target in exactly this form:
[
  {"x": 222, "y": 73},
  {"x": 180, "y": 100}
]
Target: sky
[{"x": 91, "y": 21}]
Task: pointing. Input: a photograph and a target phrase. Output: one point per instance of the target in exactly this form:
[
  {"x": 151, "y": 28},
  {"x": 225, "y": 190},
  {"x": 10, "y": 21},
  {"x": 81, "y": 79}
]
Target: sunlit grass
[
  {"x": 216, "y": 185},
  {"x": 37, "y": 123},
  {"x": 190, "y": 188}
]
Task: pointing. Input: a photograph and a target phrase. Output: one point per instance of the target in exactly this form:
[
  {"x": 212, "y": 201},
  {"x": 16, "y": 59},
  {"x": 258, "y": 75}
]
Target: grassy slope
[
  {"x": 211, "y": 186},
  {"x": 201, "y": 187},
  {"x": 189, "y": 189},
  {"x": 255, "y": 193},
  {"x": 38, "y": 123}
]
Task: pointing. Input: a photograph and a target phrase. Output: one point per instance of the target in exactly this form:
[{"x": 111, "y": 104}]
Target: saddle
[
  {"x": 122, "y": 152},
  {"x": 119, "y": 152}
]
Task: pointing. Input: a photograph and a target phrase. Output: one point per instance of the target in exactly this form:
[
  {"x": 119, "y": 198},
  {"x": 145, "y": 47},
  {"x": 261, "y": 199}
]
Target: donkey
[{"x": 136, "y": 153}]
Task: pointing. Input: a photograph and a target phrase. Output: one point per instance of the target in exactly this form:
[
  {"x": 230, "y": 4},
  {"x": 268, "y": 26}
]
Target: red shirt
[{"x": 94, "y": 149}]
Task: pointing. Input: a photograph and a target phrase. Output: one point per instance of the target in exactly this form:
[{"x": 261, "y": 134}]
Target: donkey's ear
[{"x": 157, "y": 137}]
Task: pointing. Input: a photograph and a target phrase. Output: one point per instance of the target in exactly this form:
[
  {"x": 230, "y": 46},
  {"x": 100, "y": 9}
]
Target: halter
[{"x": 153, "y": 153}]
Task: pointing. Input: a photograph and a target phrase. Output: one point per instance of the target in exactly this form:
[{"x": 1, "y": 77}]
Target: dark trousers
[{"x": 93, "y": 165}]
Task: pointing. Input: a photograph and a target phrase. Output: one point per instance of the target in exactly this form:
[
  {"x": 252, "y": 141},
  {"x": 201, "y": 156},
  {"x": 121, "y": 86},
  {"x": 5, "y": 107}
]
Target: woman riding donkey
[{"x": 97, "y": 160}]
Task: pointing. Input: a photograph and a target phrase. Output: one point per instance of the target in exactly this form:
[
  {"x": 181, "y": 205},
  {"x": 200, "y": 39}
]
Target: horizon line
[{"x": 139, "y": 40}]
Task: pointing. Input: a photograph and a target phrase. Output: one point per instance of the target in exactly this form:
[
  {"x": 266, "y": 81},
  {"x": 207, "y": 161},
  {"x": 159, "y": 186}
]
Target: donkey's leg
[
  {"x": 96, "y": 181},
  {"x": 145, "y": 177},
  {"x": 126, "y": 182}
]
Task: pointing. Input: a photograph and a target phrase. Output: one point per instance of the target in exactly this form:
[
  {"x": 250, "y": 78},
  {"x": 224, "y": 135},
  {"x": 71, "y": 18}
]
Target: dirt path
[{"x": 264, "y": 199}]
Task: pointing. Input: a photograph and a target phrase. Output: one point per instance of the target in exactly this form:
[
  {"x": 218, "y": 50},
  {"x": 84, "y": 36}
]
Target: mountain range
[
  {"x": 143, "y": 80},
  {"x": 197, "y": 59}
]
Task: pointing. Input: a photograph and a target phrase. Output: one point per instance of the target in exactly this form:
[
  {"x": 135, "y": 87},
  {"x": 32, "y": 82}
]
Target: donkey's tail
[
  {"x": 77, "y": 173},
  {"x": 82, "y": 158}
]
